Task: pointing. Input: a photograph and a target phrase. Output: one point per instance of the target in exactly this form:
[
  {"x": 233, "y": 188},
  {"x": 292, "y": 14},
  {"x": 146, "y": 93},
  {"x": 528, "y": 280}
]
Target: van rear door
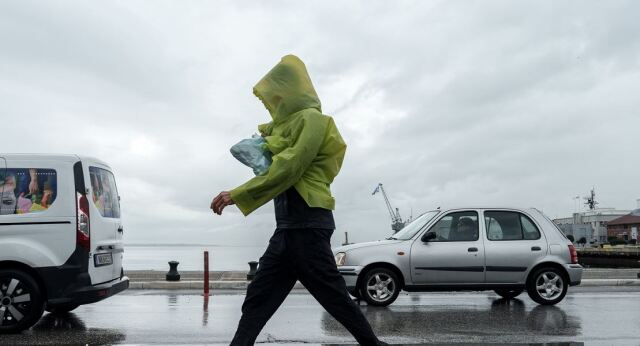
[{"x": 105, "y": 263}]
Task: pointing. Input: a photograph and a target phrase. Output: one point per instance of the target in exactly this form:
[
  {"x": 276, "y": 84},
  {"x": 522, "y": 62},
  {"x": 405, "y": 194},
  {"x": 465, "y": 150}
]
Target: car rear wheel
[
  {"x": 21, "y": 302},
  {"x": 61, "y": 308},
  {"x": 379, "y": 287},
  {"x": 508, "y": 293},
  {"x": 547, "y": 286}
]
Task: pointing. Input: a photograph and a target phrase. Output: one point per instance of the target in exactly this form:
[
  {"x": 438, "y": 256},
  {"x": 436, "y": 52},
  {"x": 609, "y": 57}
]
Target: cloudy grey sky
[{"x": 444, "y": 102}]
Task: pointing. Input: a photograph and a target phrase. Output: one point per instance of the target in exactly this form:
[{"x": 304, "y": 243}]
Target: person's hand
[
  {"x": 33, "y": 186},
  {"x": 222, "y": 200}
]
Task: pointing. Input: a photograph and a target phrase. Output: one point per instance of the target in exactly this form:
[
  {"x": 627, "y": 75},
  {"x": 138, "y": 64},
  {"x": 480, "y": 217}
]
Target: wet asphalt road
[{"x": 588, "y": 315}]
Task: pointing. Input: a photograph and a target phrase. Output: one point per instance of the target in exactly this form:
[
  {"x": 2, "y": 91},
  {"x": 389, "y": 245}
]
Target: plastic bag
[{"x": 252, "y": 152}]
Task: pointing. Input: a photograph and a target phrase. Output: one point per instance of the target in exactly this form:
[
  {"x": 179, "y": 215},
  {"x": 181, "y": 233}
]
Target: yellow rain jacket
[{"x": 306, "y": 145}]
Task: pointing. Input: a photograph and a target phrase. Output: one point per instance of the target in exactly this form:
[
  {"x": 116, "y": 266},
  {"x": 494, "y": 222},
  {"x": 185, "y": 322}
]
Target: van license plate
[{"x": 102, "y": 259}]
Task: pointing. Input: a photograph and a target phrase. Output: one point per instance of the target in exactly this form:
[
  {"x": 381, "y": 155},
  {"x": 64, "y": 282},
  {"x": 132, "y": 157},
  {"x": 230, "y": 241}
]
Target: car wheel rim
[
  {"x": 549, "y": 285},
  {"x": 380, "y": 287},
  {"x": 15, "y": 301}
]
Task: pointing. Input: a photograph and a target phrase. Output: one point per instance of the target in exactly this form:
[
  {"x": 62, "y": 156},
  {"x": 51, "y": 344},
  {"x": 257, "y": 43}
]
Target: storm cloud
[{"x": 444, "y": 102}]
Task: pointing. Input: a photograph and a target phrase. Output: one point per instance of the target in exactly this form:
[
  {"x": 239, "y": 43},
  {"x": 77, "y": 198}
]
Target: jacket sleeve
[{"x": 287, "y": 167}]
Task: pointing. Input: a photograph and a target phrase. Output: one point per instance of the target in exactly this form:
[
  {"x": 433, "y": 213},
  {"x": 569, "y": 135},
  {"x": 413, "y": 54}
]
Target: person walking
[{"x": 308, "y": 151}]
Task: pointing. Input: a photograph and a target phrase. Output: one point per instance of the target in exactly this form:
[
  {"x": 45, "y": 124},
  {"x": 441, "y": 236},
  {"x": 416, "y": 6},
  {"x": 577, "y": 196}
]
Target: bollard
[
  {"x": 206, "y": 276},
  {"x": 173, "y": 274},
  {"x": 253, "y": 267}
]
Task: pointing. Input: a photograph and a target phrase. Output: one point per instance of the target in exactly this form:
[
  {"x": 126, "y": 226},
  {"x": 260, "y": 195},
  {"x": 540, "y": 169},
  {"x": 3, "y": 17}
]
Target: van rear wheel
[{"x": 21, "y": 301}]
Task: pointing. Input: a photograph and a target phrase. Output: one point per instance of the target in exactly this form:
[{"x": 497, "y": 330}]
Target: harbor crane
[{"x": 396, "y": 221}]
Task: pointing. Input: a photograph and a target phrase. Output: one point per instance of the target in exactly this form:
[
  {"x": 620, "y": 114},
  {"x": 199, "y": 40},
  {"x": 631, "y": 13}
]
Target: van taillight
[
  {"x": 82, "y": 212},
  {"x": 574, "y": 254}
]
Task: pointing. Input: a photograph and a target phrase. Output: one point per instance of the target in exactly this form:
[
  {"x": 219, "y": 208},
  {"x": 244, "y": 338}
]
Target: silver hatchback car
[{"x": 507, "y": 250}]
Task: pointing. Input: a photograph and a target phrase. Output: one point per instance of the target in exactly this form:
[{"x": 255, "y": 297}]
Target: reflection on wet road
[
  {"x": 587, "y": 316},
  {"x": 65, "y": 329},
  {"x": 500, "y": 319}
]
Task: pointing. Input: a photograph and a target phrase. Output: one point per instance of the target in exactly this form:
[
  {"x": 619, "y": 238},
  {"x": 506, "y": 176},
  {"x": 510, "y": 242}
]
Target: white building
[{"x": 590, "y": 224}]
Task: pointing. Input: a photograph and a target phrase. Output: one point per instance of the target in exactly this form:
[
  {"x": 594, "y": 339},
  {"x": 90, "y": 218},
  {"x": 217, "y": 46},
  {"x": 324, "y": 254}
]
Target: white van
[{"x": 60, "y": 236}]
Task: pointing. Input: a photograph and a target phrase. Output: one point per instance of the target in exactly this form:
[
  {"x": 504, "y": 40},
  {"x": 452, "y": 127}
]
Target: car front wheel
[
  {"x": 21, "y": 302},
  {"x": 379, "y": 287},
  {"x": 547, "y": 286}
]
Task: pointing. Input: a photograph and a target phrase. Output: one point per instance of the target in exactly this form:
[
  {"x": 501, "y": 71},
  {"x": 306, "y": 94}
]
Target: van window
[
  {"x": 104, "y": 192},
  {"x": 27, "y": 190},
  {"x": 508, "y": 225}
]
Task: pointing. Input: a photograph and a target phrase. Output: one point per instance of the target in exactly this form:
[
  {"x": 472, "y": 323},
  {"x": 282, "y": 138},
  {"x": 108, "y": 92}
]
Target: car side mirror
[{"x": 429, "y": 236}]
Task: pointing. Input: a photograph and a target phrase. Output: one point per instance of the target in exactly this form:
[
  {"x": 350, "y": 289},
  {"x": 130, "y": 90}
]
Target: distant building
[
  {"x": 591, "y": 224},
  {"x": 577, "y": 231},
  {"x": 625, "y": 227}
]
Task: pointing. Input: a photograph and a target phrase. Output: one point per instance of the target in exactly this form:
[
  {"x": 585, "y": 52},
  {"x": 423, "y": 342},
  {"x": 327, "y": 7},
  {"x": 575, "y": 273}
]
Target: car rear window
[
  {"x": 104, "y": 192},
  {"x": 27, "y": 190},
  {"x": 508, "y": 225}
]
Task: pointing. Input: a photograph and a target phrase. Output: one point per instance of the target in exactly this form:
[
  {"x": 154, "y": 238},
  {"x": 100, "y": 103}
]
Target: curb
[{"x": 242, "y": 285}]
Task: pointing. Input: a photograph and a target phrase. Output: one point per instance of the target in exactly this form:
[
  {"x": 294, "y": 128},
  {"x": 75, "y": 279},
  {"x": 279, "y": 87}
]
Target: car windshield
[{"x": 411, "y": 229}]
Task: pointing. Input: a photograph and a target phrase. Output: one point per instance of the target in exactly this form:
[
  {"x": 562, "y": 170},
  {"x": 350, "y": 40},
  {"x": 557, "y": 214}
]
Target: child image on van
[
  {"x": 7, "y": 196},
  {"x": 27, "y": 190}
]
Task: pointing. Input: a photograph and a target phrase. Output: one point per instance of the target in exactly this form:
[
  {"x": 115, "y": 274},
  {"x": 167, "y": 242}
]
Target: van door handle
[
  {"x": 535, "y": 248},
  {"x": 120, "y": 229},
  {"x": 472, "y": 249}
]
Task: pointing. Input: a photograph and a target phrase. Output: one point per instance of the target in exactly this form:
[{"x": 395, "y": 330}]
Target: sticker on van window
[
  {"x": 27, "y": 190},
  {"x": 104, "y": 192}
]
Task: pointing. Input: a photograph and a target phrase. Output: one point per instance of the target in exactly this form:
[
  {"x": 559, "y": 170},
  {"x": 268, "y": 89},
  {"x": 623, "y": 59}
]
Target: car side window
[
  {"x": 509, "y": 225},
  {"x": 494, "y": 231},
  {"x": 529, "y": 229},
  {"x": 457, "y": 226},
  {"x": 27, "y": 190}
]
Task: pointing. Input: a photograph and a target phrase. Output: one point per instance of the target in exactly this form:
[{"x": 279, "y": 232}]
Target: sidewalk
[{"x": 236, "y": 280}]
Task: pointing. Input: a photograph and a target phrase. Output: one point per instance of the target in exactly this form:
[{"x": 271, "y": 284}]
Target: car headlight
[{"x": 340, "y": 257}]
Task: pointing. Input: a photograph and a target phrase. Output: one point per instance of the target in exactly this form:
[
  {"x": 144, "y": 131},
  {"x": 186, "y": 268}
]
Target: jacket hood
[{"x": 287, "y": 89}]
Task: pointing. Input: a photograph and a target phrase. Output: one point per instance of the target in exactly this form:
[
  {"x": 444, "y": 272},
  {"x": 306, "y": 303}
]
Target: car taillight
[
  {"x": 574, "y": 254},
  {"x": 82, "y": 213}
]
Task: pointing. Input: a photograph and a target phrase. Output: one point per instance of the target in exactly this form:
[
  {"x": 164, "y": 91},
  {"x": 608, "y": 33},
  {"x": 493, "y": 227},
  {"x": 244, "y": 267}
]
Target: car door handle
[
  {"x": 472, "y": 249},
  {"x": 535, "y": 248},
  {"x": 120, "y": 229}
]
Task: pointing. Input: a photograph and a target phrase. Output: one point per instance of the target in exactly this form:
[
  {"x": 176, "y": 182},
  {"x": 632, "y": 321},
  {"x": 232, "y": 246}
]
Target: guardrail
[
  {"x": 610, "y": 257},
  {"x": 611, "y": 249}
]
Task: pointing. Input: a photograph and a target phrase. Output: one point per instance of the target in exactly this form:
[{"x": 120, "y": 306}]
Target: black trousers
[{"x": 305, "y": 255}]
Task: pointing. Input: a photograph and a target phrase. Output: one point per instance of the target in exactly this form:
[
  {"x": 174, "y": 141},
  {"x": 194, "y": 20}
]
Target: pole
[{"x": 206, "y": 274}]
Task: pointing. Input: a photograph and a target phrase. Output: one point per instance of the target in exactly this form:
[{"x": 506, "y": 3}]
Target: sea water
[{"x": 191, "y": 257}]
